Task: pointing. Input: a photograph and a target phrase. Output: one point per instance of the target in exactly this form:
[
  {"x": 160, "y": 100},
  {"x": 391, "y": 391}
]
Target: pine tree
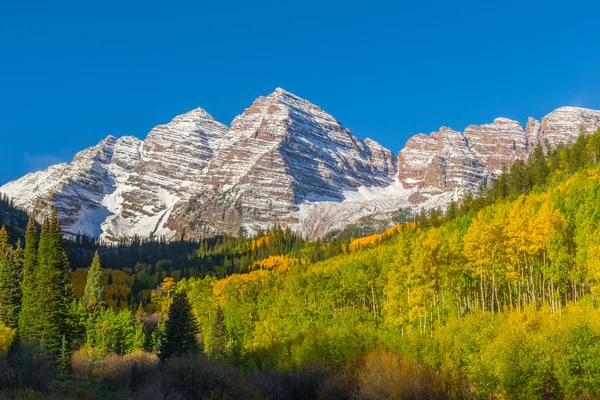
[
  {"x": 4, "y": 245},
  {"x": 94, "y": 287},
  {"x": 180, "y": 329},
  {"x": 139, "y": 339},
  {"x": 64, "y": 356},
  {"x": 28, "y": 327},
  {"x": 10, "y": 290},
  {"x": 55, "y": 287},
  {"x": 538, "y": 167},
  {"x": 218, "y": 330},
  {"x": 452, "y": 210}
]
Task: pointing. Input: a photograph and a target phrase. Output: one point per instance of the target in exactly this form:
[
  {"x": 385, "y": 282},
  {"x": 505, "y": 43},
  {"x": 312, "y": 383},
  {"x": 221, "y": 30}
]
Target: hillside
[
  {"x": 495, "y": 298},
  {"x": 513, "y": 275},
  {"x": 14, "y": 219}
]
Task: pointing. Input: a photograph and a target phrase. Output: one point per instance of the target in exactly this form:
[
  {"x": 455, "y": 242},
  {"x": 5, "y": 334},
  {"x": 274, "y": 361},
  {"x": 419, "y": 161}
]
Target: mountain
[{"x": 282, "y": 161}]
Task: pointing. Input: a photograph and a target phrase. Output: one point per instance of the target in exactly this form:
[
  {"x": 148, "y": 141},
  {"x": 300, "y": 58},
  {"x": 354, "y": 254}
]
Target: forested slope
[{"x": 495, "y": 298}]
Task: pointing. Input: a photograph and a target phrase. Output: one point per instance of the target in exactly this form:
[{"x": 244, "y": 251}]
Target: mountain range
[{"x": 282, "y": 161}]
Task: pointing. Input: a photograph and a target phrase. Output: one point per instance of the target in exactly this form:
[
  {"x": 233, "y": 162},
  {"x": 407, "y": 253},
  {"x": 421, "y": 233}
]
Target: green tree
[
  {"x": 180, "y": 329},
  {"x": 94, "y": 288},
  {"x": 55, "y": 287},
  {"x": 28, "y": 326},
  {"x": 10, "y": 289},
  {"x": 537, "y": 167},
  {"x": 452, "y": 210},
  {"x": 5, "y": 246},
  {"x": 218, "y": 335},
  {"x": 139, "y": 339}
]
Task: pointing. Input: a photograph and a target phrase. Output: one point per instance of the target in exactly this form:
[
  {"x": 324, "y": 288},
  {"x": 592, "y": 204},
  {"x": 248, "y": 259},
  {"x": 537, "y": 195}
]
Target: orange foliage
[
  {"x": 260, "y": 242},
  {"x": 360, "y": 243},
  {"x": 280, "y": 264},
  {"x": 236, "y": 282}
]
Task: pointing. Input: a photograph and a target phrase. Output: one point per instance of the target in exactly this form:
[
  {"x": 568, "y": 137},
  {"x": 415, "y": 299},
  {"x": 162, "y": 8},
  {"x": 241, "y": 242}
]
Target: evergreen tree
[
  {"x": 538, "y": 167},
  {"x": 30, "y": 305},
  {"x": 465, "y": 204},
  {"x": 423, "y": 218},
  {"x": 4, "y": 245},
  {"x": 10, "y": 284},
  {"x": 452, "y": 210},
  {"x": 218, "y": 342},
  {"x": 94, "y": 287},
  {"x": 55, "y": 287},
  {"x": 64, "y": 356},
  {"x": 518, "y": 181},
  {"x": 139, "y": 339},
  {"x": 180, "y": 329}
]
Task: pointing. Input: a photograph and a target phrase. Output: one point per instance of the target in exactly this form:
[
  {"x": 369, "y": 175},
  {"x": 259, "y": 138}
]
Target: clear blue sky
[{"x": 73, "y": 72}]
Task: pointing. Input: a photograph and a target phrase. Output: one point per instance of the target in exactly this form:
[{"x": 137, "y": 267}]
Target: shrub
[
  {"x": 6, "y": 338},
  {"x": 384, "y": 376},
  {"x": 337, "y": 387},
  {"x": 86, "y": 362},
  {"x": 200, "y": 377},
  {"x": 129, "y": 372},
  {"x": 26, "y": 367},
  {"x": 299, "y": 384}
]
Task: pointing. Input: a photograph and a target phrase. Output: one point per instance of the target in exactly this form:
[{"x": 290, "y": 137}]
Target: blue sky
[{"x": 73, "y": 72}]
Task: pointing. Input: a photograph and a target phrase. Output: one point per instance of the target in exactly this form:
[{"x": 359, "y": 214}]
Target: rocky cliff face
[
  {"x": 122, "y": 188},
  {"x": 282, "y": 161},
  {"x": 447, "y": 159},
  {"x": 562, "y": 125},
  {"x": 281, "y": 152}
]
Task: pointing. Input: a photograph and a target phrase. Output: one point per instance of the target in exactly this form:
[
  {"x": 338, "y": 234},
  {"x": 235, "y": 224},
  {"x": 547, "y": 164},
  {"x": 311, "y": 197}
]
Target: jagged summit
[
  {"x": 282, "y": 161},
  {"x": 281, "y": 91}
]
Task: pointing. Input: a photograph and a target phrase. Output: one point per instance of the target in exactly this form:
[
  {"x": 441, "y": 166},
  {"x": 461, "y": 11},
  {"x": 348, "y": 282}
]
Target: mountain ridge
[{"x": 282, "y": 161}]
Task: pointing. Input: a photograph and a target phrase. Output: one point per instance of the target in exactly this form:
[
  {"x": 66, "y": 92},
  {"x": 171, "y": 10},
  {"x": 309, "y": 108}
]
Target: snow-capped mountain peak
[{"x": 282, "y": 161}]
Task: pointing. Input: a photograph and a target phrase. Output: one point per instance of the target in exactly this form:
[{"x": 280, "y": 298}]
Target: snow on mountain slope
[
  {"x": 283, "y": 161},
  {"x": 122, "y": 188},
  {"x": 448, "y": 160},
  {"x": 562, "y": 125},
  {"x": 280, "y": 152}
]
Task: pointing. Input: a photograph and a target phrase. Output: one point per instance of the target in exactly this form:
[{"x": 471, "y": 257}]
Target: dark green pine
[
  {"x": 55, "y": 288},
  {"x": 28, "y": 319},
  {"x": 10, "y": 283},
  {"x": 180, "y": 330},
  {"x": 95, "y": 295}
]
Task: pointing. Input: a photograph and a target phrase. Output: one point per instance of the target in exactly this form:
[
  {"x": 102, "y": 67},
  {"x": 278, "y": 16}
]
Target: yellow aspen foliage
[
  {"x": 281, "y": 264},
  {"x": 235, "y": 283},
  {"x": 79, "y": 278},
  {"x": 593, "y": 264},
  {"x": 163, "y": 297},
  {"x": 117, "y": 284},
  {"x": 261, "y": 242},
  {"x": 7, "y": 336},
  {"x": 366, "y": 241}
]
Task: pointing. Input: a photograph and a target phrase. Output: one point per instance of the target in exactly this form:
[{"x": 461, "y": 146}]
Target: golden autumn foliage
[
  {"x": 374, "y": 239},
  {"x": 280, "y": 264},
  {"x": 7, "y": 336},
  {"x": 261, "y": 242},
  {"x": 117, "y": 284}
]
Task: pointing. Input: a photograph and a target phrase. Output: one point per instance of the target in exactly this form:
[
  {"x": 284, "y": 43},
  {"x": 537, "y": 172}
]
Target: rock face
[
  {"x": 282, "y": 161},
  {"x": 448, "y": 159},
  {"x": 123, "y": 188},
  {"x": 442, "y": 160},
  {"x": 281, "y": 152},
  {"x": 562, "y": 125}
]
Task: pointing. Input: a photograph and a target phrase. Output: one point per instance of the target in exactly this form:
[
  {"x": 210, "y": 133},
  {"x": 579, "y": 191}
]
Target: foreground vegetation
[{"x": 495, "y": 298}]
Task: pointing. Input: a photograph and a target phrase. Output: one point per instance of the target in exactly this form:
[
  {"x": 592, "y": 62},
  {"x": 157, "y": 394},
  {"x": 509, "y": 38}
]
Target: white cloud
[{"x": 38, "y": 162}]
